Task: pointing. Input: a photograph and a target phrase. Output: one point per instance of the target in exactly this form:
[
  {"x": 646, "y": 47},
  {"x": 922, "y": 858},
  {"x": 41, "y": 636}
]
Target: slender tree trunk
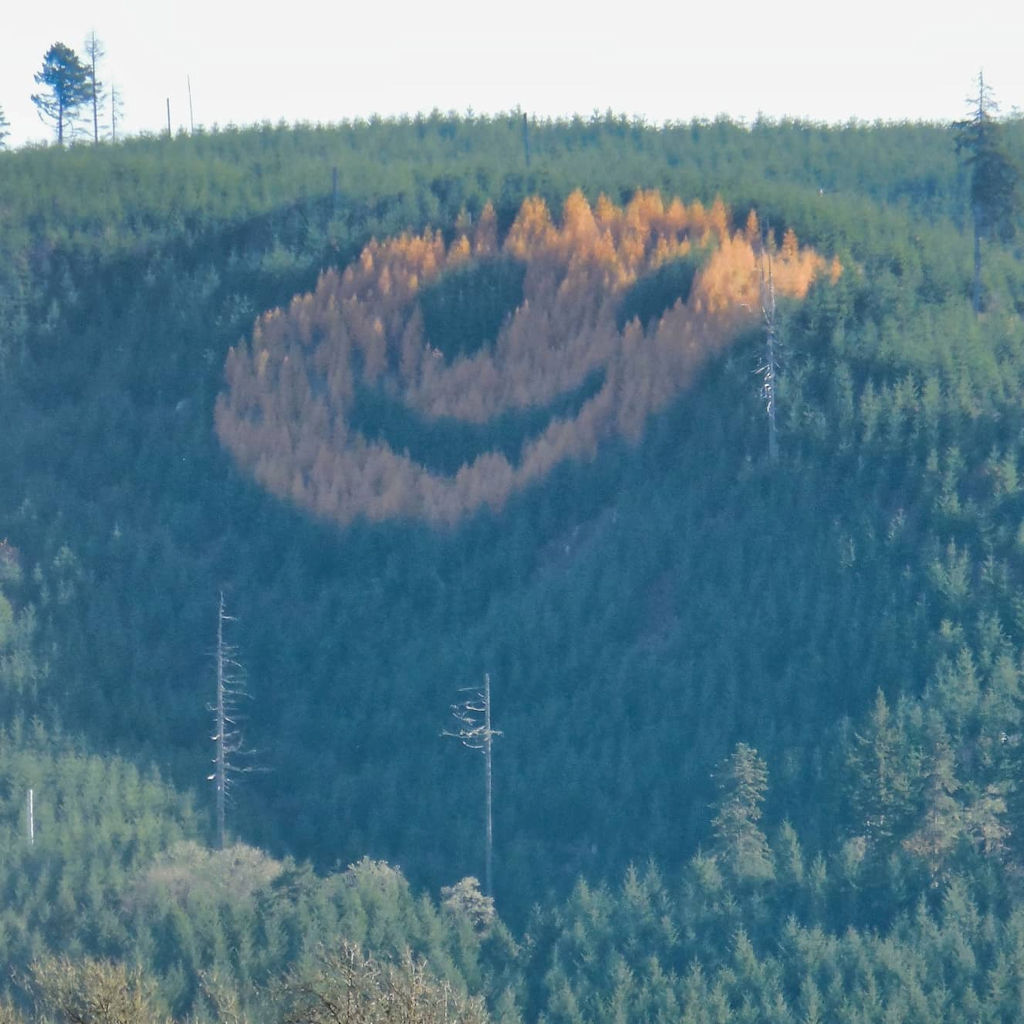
[
  {"x": 475, "y": 732},
  {"x": 95, "y": 106},
  {"x": 976, "y": 290},
  {"x": 489, "y": 850},
  {"x": 220, "y": 765},
  {"x": 773, "y": 437},
  {"x": 770, "y": 367}
]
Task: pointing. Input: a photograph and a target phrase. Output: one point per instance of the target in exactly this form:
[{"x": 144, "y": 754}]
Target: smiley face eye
[
  {"x": 657, "y": 291},
  {"x": 465, "y": 309},
  {"x": 503, "y": 359}
]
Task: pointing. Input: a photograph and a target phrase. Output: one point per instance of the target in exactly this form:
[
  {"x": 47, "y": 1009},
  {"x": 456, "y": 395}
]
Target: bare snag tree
[
  {"x": 94, "y": 52},
  {"x": 351, "y": 987},
  {"x": 769, "y": 367},
  {"x": 116, "y": 111},
  {"x": 473, "y": 716},
  {"x": 227, "y": 736},
  {"x": 90, "y": 991}
]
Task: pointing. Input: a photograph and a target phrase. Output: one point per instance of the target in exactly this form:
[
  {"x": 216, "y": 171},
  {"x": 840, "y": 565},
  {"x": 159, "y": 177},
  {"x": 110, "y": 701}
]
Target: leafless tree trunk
[
  {"x": 115, "y": 109},
  {"x": 976, "y": 284},
  {"x": 474, "y": 730},
  {"x": 226, "y": 736},
  {"x": 94, "y": 51},
  {"x": 769, "y": 368}
]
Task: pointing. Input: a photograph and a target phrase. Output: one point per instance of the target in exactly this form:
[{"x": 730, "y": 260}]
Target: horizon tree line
[{"x": 71, "y": 96}]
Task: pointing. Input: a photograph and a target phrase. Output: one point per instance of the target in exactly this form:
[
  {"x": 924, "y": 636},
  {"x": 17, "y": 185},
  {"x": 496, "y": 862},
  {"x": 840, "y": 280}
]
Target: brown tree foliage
[{"x": 287, "y": 413}]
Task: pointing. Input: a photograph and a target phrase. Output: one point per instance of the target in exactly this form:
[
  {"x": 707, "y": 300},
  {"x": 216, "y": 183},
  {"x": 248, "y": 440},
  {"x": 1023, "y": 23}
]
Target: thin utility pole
[
  {"x": 30, "y": 816},
  {"x": 475, "y": 732},
  {"x": 191, "y": 119}
]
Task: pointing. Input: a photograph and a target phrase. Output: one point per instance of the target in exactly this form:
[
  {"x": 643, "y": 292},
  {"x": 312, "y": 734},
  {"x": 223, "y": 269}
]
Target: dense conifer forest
[{"x": 422, "y": 406}]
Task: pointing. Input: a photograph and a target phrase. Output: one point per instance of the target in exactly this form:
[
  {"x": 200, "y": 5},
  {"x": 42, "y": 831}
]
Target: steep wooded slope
[{"x": 639, "y": 613}]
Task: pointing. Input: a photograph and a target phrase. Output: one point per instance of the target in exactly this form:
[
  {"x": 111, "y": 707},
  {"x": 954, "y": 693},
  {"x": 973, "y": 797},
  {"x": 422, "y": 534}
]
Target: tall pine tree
[
  {"x": 741, "y": 845},
  {"x": 68, "y": 86},
  {"x": 994, "y": 176}
]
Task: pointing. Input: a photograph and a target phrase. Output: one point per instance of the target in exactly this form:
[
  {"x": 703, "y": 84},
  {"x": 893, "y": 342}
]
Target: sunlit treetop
[{"x": 640, "y": 295}]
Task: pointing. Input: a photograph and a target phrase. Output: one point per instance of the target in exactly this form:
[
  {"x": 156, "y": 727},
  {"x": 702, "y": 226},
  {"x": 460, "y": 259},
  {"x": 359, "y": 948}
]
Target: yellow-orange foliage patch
[{"x": 286, "y": 413}]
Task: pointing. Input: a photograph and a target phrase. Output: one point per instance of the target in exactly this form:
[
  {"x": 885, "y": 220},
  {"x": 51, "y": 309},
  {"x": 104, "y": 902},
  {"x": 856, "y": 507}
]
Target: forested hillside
[{"x": 423, "y": 407}]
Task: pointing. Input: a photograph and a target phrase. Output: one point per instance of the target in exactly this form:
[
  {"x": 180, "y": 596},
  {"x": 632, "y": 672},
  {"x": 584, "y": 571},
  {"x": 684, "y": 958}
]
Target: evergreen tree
[
  {"x": 742, "y": 782},
  {"x": 5, "y": 126},
  {"x": 69, "y": 86},
  {"x": 942, "y": 824},
  {"x": 884, "y": 768},
  {"x": 994, "y": 176}
]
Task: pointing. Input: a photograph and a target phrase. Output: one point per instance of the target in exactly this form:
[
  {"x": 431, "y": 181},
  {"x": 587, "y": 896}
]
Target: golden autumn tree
[{"x": 289, "y": 411}]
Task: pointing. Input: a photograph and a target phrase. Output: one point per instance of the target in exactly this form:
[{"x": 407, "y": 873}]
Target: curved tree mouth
[{"x": 444, "y": 444}]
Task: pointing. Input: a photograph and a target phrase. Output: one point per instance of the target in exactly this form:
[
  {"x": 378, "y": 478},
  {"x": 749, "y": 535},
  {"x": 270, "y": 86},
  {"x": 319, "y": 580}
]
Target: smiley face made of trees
[{"x": 429, "y": 379}]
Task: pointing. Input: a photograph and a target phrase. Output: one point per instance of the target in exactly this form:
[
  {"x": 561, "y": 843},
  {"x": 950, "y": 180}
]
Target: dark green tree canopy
[
  {"x": 4, "y": 128},
  {"x": 742, "y": 781},
  {"x": 68, "y": 85},
  {"x": 994, "y": 175}
]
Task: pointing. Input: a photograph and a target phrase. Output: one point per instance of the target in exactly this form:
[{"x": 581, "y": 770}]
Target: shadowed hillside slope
[{"x": 640, "y": 610}]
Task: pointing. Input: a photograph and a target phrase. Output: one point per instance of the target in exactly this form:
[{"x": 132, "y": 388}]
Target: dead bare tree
[
  {"x": 473, "y": 716},
  {"x": 116, "y": 109},
  {"x": 90, "y": 991},
  {"x": 769, "y": 367},
  {"x": 348, "y": 986},
  {"x": 95, "y": 51},
  {"x": 227, "y": 737}
]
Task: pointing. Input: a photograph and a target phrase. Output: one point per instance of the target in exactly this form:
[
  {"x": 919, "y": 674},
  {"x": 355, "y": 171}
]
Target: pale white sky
[{"x": 316, "y": 61}]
